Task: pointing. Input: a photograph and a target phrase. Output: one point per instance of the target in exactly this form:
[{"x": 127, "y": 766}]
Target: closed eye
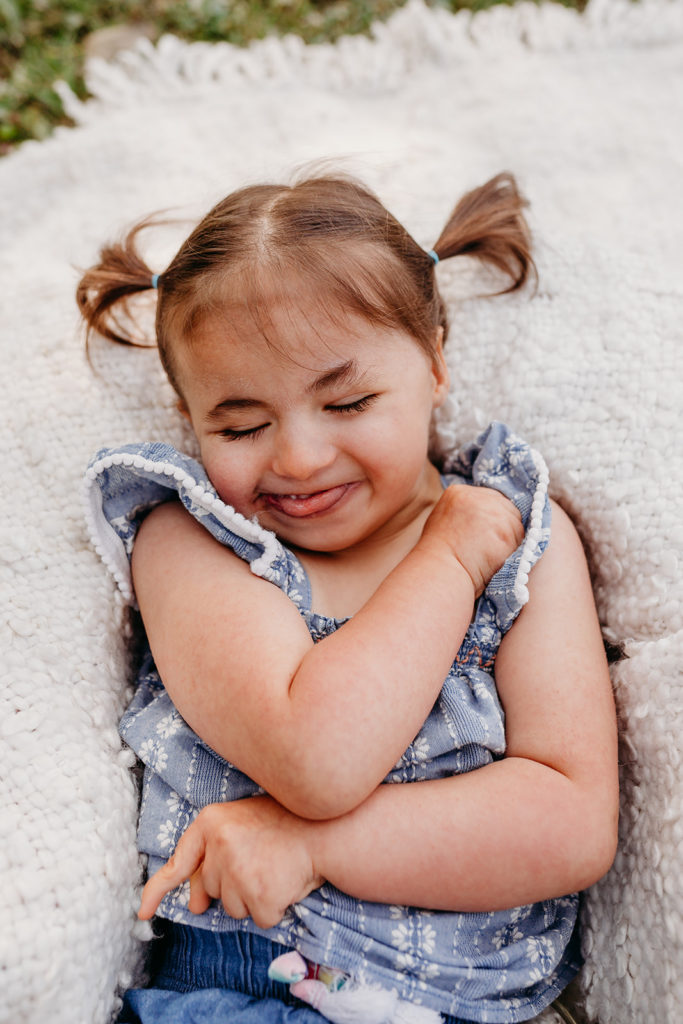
[
  {"x": 230, "y": 434},
  {"x": 358, "y": 406},
  {"x": 234, "y": 435}
]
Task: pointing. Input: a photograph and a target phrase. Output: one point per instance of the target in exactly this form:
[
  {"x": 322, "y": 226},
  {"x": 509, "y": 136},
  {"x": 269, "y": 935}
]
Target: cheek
[
  {"x": 393, "y": 449},
  {"x": 404, "y": 427},
  {"x": 228, "y": 472}
]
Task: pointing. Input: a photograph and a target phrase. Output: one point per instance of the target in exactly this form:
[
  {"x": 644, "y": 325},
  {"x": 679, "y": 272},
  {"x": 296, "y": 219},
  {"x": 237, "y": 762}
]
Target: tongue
[{"x": 306, "y": 504}]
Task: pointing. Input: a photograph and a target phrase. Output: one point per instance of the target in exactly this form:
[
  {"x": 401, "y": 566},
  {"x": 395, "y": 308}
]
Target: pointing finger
[{"x": 186, "y": 859}]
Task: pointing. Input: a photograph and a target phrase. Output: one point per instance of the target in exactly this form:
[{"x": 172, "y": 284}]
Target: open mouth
[{"x": 301, "y": 505}]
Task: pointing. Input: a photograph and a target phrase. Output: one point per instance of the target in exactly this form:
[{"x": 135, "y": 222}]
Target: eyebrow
[{"x": 346, "y": 373}]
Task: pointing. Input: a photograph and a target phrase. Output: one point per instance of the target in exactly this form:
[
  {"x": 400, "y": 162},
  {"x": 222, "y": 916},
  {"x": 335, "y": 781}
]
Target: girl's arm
[
  {"x": 318, "y": 726},
  {"x": 538, "y": 824}
]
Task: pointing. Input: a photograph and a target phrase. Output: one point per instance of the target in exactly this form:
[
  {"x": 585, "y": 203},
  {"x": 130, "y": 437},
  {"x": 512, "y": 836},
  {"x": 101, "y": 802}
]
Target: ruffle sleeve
[
  {"x": 123, "y": 484},
  {"x": 502, "y": 460}
]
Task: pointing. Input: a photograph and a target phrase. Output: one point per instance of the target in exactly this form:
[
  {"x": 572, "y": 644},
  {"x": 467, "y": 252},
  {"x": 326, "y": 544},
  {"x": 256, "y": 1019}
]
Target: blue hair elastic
[
  {"x": 155, "y": 280},
  {"x": 434, "y": 256}
]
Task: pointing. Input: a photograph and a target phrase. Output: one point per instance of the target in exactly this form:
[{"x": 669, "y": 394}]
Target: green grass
[{"x": 43, "y": 41}]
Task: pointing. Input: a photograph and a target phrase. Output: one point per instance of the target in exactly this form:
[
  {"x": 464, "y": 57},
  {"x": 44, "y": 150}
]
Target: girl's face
[{"x": 321, "y": 432}]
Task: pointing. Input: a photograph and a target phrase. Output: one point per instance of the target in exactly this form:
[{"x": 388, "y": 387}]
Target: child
[{"x": 370, "y": 630}]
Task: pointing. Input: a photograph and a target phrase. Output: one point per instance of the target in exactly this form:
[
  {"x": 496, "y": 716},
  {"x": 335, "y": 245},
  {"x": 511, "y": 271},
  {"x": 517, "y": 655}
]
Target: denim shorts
[{"x": 204, "y": 977}]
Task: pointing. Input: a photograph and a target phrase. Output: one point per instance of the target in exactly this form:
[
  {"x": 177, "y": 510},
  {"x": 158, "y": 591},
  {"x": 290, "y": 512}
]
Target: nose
[{"x": 300, "y": 453}]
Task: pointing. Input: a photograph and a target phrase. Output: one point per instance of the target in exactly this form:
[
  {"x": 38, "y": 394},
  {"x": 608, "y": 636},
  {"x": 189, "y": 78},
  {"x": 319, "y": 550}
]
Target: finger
[
  {"x": 266, "y": 916},
  {"x": 200, "y": 900},
  {"x": 233, "y": 904},
  {"x": 186, "y": 859},
  {"x": 264, "y": 908}
]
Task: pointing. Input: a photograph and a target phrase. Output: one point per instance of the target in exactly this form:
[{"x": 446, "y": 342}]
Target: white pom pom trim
[{"x": 111, "y": 548}]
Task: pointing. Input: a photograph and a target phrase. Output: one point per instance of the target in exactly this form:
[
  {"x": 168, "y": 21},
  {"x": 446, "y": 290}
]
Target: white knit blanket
[{"x": 587, "y": 111}]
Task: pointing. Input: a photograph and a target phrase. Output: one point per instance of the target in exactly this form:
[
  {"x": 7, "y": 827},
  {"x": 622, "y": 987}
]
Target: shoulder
[
  {"x": 565, "y": 545},
  {"x": 173, "y": 547},
  {"x": 561, "y": 605},
  {"x": 167, "y": 525},
  {"x": 199, "y": 598}
]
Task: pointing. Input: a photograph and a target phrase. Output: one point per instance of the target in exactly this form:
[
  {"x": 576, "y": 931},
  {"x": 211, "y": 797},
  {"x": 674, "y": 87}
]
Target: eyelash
[
  {"x": 235, "y": 435},
  {"x": 358, "y": 406}
]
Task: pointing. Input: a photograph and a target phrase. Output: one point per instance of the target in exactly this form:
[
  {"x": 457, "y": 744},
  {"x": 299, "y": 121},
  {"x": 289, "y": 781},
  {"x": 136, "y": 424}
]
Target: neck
[{"x": 342, "y": 581}]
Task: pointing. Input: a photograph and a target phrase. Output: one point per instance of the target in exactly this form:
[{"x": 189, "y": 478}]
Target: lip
[{"x": 305, "y": 506}]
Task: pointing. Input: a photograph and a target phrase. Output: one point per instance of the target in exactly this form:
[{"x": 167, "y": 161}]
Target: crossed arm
[{"x": 539, "y": 823}]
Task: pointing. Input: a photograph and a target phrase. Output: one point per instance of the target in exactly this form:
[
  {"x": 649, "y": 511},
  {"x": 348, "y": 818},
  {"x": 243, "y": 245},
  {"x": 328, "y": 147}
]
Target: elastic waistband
[{"x": 185, "y": 959}]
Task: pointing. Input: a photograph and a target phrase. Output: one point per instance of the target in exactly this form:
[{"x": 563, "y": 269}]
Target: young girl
[{"x": 330, "y": 614}]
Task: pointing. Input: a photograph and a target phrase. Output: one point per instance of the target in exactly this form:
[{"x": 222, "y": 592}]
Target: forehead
[
  {"x": 292, "y": 345},
  {"x": 283, "y": 324}
]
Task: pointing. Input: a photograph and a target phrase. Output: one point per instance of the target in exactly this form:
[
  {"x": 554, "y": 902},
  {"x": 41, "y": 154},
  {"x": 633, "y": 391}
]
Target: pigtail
[
  {"x": 104, "y": 290},
  {"x": 488, "y": 223}
]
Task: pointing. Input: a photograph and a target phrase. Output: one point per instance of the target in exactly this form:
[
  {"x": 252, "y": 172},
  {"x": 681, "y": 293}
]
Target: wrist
[{"x": 446, "y": 560}]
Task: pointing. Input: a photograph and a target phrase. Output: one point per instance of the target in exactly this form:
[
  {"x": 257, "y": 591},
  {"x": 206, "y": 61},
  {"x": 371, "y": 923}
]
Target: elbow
[
  {"x": 314, "y": 806},
  {"x": 606, "y": 819},
  {"x": 602, "y": 854},
  {"x": 585, "y": 822},
  {"x": 319, "y": 778},
  {"x": 320, "y": 795},
  {"x": 320, "y": 805},
  {"x": 594, "y": 847}
]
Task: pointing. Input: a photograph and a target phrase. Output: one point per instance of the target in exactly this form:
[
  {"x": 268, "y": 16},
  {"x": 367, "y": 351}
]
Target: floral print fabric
[{"x": 502, "y": 966}]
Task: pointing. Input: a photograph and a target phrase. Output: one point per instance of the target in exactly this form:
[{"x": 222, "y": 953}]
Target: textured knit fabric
[{"x": 503, "y": 966}]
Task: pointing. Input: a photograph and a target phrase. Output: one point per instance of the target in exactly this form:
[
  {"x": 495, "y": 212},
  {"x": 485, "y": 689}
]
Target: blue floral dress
[{"x": 503, "y": 966}]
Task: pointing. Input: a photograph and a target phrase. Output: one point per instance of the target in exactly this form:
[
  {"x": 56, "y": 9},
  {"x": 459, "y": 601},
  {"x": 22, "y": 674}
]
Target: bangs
[{"x": 334, "y": 281}]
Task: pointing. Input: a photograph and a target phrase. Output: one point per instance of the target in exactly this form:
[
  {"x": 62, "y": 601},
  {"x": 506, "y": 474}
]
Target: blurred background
[{"x": 42, "y": 41}]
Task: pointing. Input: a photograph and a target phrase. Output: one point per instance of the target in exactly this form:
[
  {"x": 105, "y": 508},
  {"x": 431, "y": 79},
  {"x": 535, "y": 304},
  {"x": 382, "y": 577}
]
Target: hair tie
[
  {"x": 434, "y": 256},
  {"x": 155, "y": 280}
]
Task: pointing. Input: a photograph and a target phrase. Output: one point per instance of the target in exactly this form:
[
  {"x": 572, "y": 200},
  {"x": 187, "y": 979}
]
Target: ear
[
  {"x": 442, "y": 378},
  {"x": 183, "y": 410}
]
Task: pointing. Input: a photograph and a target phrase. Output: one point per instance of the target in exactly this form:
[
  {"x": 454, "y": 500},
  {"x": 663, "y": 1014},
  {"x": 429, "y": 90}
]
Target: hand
[
  {"x": 479, "y": 526},
  {"x": 251, "y": 854}
]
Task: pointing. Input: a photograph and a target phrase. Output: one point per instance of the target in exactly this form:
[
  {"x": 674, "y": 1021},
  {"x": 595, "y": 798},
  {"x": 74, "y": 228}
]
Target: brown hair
[{"x": 331, "y": 232}]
